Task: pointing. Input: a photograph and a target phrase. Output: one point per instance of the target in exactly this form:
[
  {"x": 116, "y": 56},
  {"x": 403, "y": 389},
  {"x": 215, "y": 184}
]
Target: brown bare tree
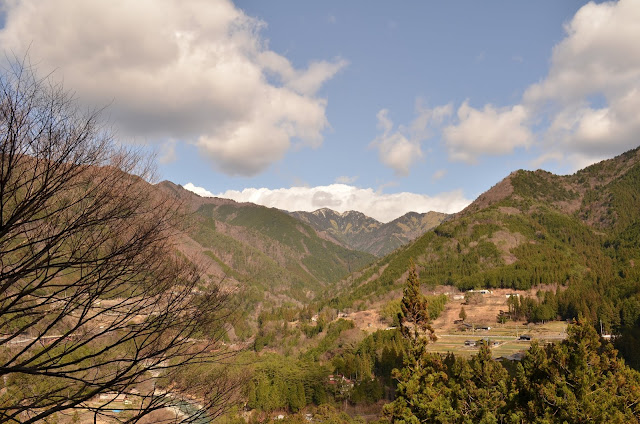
[{"x": 95, "y": 302}]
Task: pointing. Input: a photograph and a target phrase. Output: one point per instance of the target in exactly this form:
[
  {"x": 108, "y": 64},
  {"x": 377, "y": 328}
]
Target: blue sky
[{"x": 382, "y": 107}]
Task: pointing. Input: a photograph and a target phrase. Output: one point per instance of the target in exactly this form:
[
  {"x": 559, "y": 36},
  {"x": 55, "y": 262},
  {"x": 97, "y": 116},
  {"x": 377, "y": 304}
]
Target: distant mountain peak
[
  {"x": 327, "y": 211},
  {"x": 358, "y": 231}
]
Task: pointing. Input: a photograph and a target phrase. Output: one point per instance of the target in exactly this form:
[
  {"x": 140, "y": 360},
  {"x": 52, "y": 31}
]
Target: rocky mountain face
[{"x": 357, "y": 231}]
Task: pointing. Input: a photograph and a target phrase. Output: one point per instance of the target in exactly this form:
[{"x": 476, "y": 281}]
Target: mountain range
[
  {"x": 575, "y": 237},
  {"x": 357, "y": 231}
]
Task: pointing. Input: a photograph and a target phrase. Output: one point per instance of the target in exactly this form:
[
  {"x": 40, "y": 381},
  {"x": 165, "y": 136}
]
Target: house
[
  {"x": 483, "y": 291},
  {"x": 113, "y": 396}
]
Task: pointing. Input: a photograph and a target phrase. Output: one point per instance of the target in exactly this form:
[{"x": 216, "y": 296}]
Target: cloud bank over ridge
[{"x": 342, "y": 198}]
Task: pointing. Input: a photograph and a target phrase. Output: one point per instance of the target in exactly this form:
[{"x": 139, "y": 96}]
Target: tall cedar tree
[{"x": 414, "y": 316}]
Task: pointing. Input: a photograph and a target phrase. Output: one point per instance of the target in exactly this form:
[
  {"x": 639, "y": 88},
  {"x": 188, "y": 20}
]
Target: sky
[{"x": 377, "y": 106}]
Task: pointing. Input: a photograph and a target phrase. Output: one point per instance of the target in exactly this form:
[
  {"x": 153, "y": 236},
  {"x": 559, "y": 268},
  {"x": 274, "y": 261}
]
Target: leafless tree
[{"x": 95, "y": 301}]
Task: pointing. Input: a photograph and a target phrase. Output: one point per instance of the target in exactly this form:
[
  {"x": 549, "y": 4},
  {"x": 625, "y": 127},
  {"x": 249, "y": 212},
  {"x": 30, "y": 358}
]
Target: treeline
[{"x": 359, "y": 375}]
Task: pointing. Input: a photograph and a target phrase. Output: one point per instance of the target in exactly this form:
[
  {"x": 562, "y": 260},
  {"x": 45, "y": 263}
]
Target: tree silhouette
[{"x": 94, "y": 299}]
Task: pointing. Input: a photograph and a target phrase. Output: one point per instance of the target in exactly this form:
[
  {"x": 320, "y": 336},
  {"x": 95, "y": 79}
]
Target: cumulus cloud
[
  {"x": 178, "y": 69},
  {"x": 585, "y": 109},
  {"x": 487, "y": 131},
  {"x": 592, "y": 89},
  {"x": 342, "y": 197},
  {"x": 394, "y": 149},
  {"x": 168, "y": 152},
  {"x": 200, "y": 191},
  {"x": 400, "y": 149}
]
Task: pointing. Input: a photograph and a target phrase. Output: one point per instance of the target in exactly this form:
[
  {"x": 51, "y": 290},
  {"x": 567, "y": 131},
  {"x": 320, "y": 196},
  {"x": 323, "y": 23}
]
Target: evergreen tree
[
  {"x": 414, "y": 316},
  {"x": 580, "y": 380},
  {"x": 463, "y": 314}
]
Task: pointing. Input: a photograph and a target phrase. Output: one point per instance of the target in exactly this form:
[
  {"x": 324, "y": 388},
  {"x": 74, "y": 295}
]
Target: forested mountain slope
[
  {"x": 272, "y": 256},
  {"x": 578, "y": 236},
  {"x": 357, "y": 231}
]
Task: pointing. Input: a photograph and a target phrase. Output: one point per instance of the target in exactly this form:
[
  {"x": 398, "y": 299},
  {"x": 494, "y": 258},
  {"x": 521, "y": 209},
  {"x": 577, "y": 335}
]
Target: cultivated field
[{"x": 452, "y": 334}]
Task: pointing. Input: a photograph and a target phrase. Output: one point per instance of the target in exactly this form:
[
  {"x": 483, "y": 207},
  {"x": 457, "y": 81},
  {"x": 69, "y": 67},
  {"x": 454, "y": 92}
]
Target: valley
[
  {"x": 526, "y": 259},
  {"x": 293, "y": 320}
]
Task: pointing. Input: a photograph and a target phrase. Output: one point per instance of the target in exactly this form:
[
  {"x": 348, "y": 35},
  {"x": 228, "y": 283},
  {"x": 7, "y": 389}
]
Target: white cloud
[
  {"x": 394, "y": 149},
  {"x": 302, "y": 81},
  {"x": 587, "y": 107},
  {"x": 487, "y": 131},
  {"x": 189, "y": 70},
  {"x": 592, "y": 90},
  {"x": 401, "y": 149},
  {"x": 342, "y": 197},
  {"x": 200, "y": 191},
  {"x": 600, "y": 54}
]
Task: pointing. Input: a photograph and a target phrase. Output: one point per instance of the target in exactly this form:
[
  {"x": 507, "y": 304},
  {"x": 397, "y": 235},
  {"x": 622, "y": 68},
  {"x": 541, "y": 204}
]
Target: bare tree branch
[{"x": 94, "y": 301}]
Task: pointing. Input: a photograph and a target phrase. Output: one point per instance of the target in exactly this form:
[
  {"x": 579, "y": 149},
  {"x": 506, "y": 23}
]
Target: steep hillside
[
  {"x": 360, "y": 232},
  {"x": 271, "y": 256},
  {"x": 578, "y": 233}
]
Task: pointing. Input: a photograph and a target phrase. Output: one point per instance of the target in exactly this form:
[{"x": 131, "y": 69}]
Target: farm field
[
  {"x": 452, "y": 334},
  {"x": 505, "y": 336}
]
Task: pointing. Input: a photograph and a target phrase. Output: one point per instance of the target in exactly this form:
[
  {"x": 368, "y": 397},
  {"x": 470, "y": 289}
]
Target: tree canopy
[{"x": 579, "y": 380}]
